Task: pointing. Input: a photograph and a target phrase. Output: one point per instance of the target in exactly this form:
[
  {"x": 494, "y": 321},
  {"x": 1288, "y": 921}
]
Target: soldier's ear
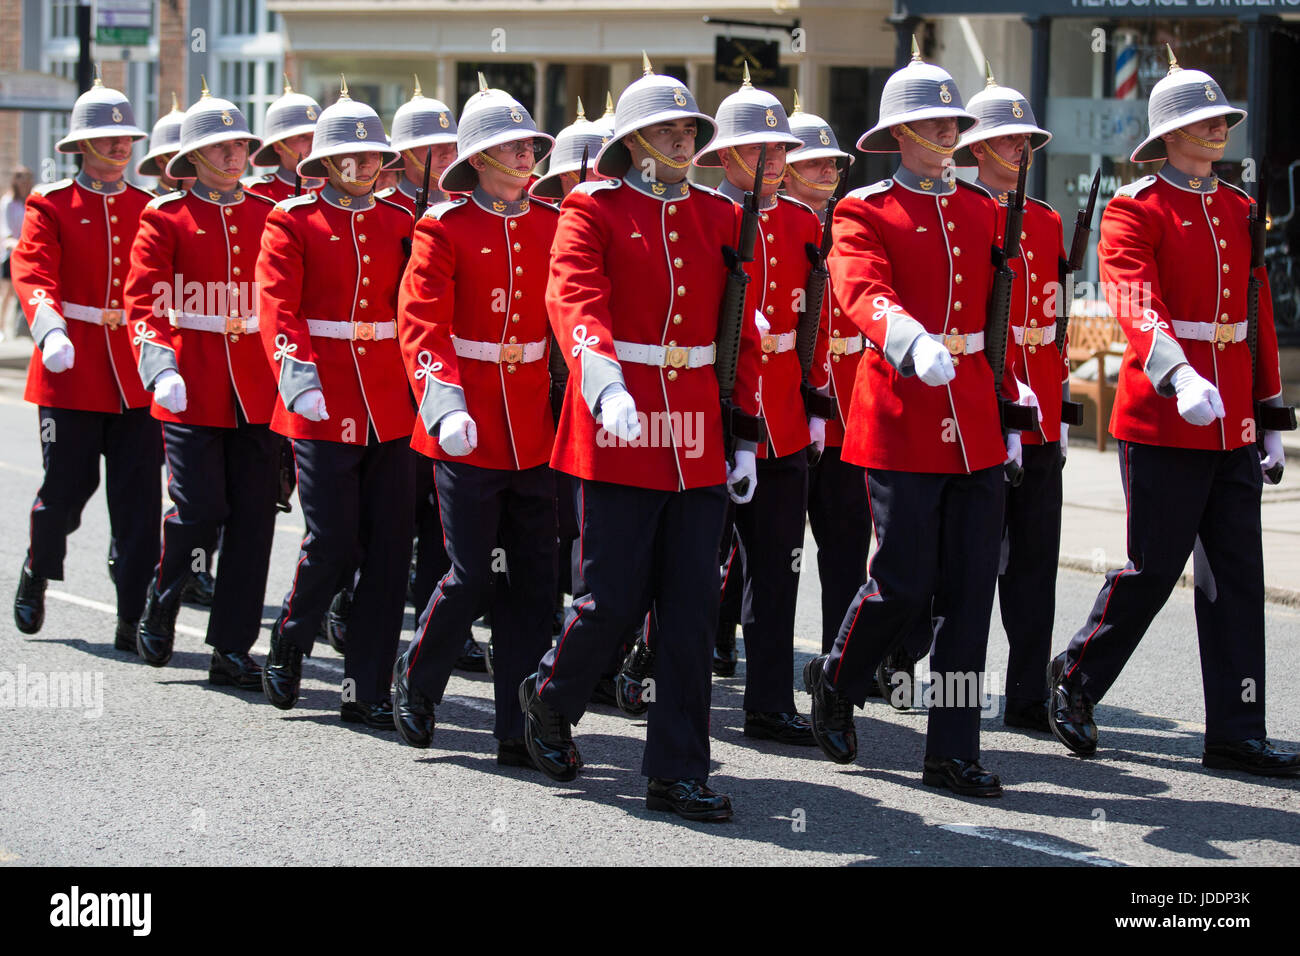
[{"x": 896, "y": 132}]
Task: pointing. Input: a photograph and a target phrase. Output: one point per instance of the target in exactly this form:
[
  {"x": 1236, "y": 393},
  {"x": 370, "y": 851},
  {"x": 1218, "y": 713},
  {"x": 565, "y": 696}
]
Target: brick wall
[{"x": 11, "y": 58}]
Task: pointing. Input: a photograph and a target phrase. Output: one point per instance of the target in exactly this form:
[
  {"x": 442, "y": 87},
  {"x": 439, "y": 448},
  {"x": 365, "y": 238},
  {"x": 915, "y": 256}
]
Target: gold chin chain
[
  {"x": 508, "y": 170},
  {"x": 820, "y": 187},
  {"x": 657, "y": 156},
  {"x": 339, "y": 173},
  {"x": 409, "y": 156},
  {"x": 104, "y": 159},
  {"x": 1203, "y": 143},
  {"x": 1011, "y": 167},
  {"x": 202, "y": 159},
  {"x": 749, "y": 170},
  {"x": 922, "y": 141},
  {"x": 286, "y": 153}
]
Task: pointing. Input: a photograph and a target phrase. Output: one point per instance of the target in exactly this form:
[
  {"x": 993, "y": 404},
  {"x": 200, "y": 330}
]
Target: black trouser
[
  {"x": 770, "y": 530},
  {"x": 72, "y": 443},
  {"x": 357, "y": 503},
  {"x": 493, "y": 521},
  {"x": 1181, "y": 502},
  {"x": 1027, "y": 586},
  {"x": 838, "y": 516},
  {"x": 221, "y": 479},
  {"x": 431, "y": 560},
  {"x": 938, "y": 542},
  {"x": 733, "y": 572},
  {"x": 644, "y": 549}
]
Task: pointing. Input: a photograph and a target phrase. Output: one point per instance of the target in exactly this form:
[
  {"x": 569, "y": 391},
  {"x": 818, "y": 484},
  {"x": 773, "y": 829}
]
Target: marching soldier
[
  {"x": 924, "y": 423},
  {"x": 1027, "y": 585},
  {"x": 474, "y": 331},
  {"x": 194, "y": 323},
  {"x": 837, "y": 489},
  {"x": 770, "y": 526},
  {"x": 636, "y": 284},
  {"x": 565, "y": 169},
  {"x": 68, "y": 270},
  {"x": 288, "y": 128},
  {"x": 423, "y": 128},
  {"x": 164, "y": 140},
  {"x": 327, "y": 276},
  {"x": 1175, "y": 251}
]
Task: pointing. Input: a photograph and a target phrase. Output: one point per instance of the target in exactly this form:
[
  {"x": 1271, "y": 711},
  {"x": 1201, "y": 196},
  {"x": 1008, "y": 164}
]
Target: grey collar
[
  {"x": 341, "y": 200},
  {"x": 289, "y": 178},
  {"x": 499, "y": 207},
  {"x": 923, "y": 184},
  {"x": 664, "y": 192},
  {"x": 1001, "y": 195},
  {"x": 409, "y": 189},
  {"x": 736, "y": 194},
  {"x": 1191, "y": 184},
  {"x": 99, "y": 186},
  {"x": 216, "y": 196}
]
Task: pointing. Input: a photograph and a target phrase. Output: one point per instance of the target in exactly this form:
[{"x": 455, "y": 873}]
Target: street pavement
[{"x": 173, "y": 771}]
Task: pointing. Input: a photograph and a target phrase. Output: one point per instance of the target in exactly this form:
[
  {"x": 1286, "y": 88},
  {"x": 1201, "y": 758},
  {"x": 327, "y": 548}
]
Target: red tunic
[
  {"x": 478, "y": 274},
  {"x": 906, "y": 261},
  {"x": 322, "y": 261},
  {"x": 838, "y": 361},
  {"x": 271, "y": 186},
  {"x": 1191, "y": 249},
  {"x": 75, "y": 249},
  {"x": 190, "y": 253}
]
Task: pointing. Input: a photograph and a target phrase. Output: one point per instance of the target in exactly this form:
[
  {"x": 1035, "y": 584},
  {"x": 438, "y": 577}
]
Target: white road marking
[
  {"x": 36, "y": 472},
  {"x": 80, "y": 601},
  {"x": 1028, "y": 843}
]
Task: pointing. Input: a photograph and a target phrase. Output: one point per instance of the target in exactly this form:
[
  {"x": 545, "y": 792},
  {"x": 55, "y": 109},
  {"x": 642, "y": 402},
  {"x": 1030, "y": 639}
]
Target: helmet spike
[
  {"x": 609, "y": 103},
  {"x": 204, "y": 92},
  {"x": 98, "y": 80},
  {"x": 343, "y": 87},
  {"x": 418, "y": 91},
  {"x": 288, "y": 87},
  {"x": 482, "y": 82},
  {"x": 1173, "y": 60},
  {"x": 581, "y": 115},
  {"x": 646, "y": 68},
  {"x": 176, "y": 106},
  {"x": 744, "y": 76},
  {"x": 916, "y": 50},
  {"x": 797, "y": 107},
  {"x": 988, "y": 75}
]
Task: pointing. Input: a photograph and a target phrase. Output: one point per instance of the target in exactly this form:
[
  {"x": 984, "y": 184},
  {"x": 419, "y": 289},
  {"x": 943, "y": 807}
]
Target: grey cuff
[
  {"x": 598, "y": 373},
  {"x": 899, "y": 336},
  {"x": 439, "y": 400},
  {"x": 295, "y": 378},
  {"x": 154, "y": 360},
  {"x": 45, "y": 319},
  {"x": 743, "y": 445},
  {"x": 1166, "y": 355}
]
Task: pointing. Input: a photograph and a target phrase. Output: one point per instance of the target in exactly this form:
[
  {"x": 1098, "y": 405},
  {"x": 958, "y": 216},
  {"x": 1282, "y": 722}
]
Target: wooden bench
[{"x": 1094, "y": 334}]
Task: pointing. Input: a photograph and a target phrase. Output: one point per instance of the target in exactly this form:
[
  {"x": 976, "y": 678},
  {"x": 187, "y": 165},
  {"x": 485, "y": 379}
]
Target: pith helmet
[
  {"x": 567, "y": 157},
  {"x": 1001, "y": 111},
  {"x": 100, "y": 111},
  {"x": 346, "y": 126},
  {"x": 490, "y": 118},
  {"x": 291, "y": 114},
  {"x": 1180, "y": 99},
  {"x": 165, "y": 139},
  {"x": 651, "y": 99},
  {"x": 919, "y": 91},
  {"x": 422, "y": 121},
  {"x": 815, "y": 133},
  {"x": 211, "y": 120}
]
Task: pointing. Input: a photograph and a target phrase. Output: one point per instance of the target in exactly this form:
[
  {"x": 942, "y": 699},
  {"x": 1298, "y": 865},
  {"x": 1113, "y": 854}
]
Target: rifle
[
  {"x": 421, "y": 201},
  {"x": 805, "y": 341},
  {"x": 1072, "y": 412},
  {"x": 1277, "y": 418},
  {"x": 1013, "y": 417},
  {"x": 559, "y": 369},
  {"x": 736, "y": 425},
  {"x": 297, "y": 184}
]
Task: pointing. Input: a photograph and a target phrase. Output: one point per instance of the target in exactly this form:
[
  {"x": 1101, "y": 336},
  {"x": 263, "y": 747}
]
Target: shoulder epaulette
[
  {"x": 863, "y": 192},
  {"x": 44, "y": 189},
  {"x": 1132, "y": 189},
  {"x": 975, "y": 188},
  {"x": 159, "y": 201},
  {"x": 1238, "y": 190},
  {"x": 782, "y": 197},
  {"x": 259, "y": 197},
  {"x": 293, "y": 202},
  {"x": 380, "y": 200},
  {"x": 250, "y": 181},
  {"x": 385, "y": 192},
  {"x": 595, "y": 185},
  {"x": 440, "y": 209},
  {"x": 533, "y": 203},
  {"x": 1040, "y": 202},
  {"x": 141, "y": 190}
]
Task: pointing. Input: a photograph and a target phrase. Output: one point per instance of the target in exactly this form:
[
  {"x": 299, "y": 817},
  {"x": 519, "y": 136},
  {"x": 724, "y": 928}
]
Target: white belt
[
  {"x": 1210, "y": 331},
  {"x": 666, "y": 356},
  {"x": 85, "y": 313},
  {"x": 220, "y": 324},
  {"x": 958, "y": 344},
  {"x": 497, "y": 352},
  {"x": 778, "y": 343},
  {"x": 354, "y": 331},
  {"x": 849, "y": 346},
  {"x": 1026, "y": 335}
]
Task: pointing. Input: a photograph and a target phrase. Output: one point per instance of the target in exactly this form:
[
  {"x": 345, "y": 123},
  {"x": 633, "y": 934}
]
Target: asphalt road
[{"x": 175, "y": 772}]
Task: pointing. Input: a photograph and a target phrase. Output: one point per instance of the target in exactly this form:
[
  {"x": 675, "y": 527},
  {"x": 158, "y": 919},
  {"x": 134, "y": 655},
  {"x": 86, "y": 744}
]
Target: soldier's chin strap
[
  {"x": 1010, "y": 167},
  {"x": 1203, "y": 143},
  {"x": 286, "y": 154},
  {"x": 102, "y": 158},
  {"x": 508, "y": 170},
  {"x": 202, "y": 159},
  {"x": 408, "y": 155},
  {"x": 325, "y": 160},
  {"x": 659, "y": 157},
  {"x": 808, "y": 183},
  {"x": 920, "y": 140},
  {"x": 749, "y": 170}
]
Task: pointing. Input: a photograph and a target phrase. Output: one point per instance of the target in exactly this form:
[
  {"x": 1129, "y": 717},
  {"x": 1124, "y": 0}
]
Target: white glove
[
  {"x": 762, "y": 324},
  {"x": 1014, "y": 451},
  {"x": 618, "y": 413},
  {"x": 1026, "y": 396},
  {"x": 57, "y": 353},
  {"x": 817, "y": 432},
  {"x": 457, "y": 434},
  {"x": 932, "y": 362},
  {"x": 746, "y": 469},
  {"x": 1273, "y": 453},
  {"x": 1065, "y": 439},
  {"x": 311, "y": 405},
  {"x": 169, "y": 391},
  {"x": 1198, "y": 401}
]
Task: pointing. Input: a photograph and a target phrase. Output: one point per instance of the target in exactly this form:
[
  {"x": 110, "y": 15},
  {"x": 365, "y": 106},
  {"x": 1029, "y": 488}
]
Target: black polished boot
[
  {"x": 689, "y": 799},
  {"x": 629, "y": 683},
  {"x": 376, "y": 714},
  {"x": 547, "y": 735},
  {"x": 1069, "y": 711},
  {"x": 783, "y": 728},
  {"x": 724, "y": 651},
  {"x": 1257, "y": 756},
  {"x": 966, "y": 778},
  {"x": 832, "y": 714},
  {"x": 336, "y": 620},
  {"x": 157, "y": 630},
  {"x": 282, "y": 674},
  {"x": 234, "y": 669},
  {"x": 471, "y": 657},
  {"x": 29, "y": 602},
  {"x": 199, "y": 589},
  {"x": 412, "y": 711},
  {"x": 896, "y": 679},
  {"x": 124, "y": 636}
]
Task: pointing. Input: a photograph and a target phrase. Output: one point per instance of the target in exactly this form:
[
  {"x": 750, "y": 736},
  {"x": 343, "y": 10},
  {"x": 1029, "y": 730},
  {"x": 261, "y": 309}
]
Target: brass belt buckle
[
  {"x": 112, "y": 318},
  {"x": 839, "y": 346},
  {"x": 955, "y": 344},
  {"x": 363, "y": 331},
  {"x": 234, "y": 325},
  {"x": 512, "y": 354},
  {"x": 1224, "y": 334},
  {"x": 676, "y": 357},
  {"x": 1033, "y": 336},
  {"x": 769, "y": 343}
]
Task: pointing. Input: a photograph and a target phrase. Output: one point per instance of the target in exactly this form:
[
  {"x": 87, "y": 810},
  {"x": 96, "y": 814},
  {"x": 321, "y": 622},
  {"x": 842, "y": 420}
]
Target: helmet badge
[
  {"x": 679, "y": 96},
  {"x": 117, "y": 115},
  {"x": 226, "y": 118},
  {"x": 1209, "y": 93},
  {"x": 824, "y": 137},
  {"x": 770, "y": 119},
  {"x": 944, "y": 94},
  {"x": 515, "y": 115},
  {"x": 443, "y": 121},
  {"x": 311, "y": 114},
  {"x": 1016, "y": 110},
  {"x": 361, "y": 130}
]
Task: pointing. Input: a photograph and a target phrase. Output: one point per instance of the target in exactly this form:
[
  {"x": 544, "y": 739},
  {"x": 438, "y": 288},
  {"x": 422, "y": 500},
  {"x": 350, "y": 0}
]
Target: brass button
[
  {"x": 770, "y": 310},
  {"x": 513, "y": 340},
  {"x": 116, "y": 240},
  {"x": 672, "y": 375},
  {"x": 113, "y": 303},
  {"x": 1223, "y": 243},
  {"x": 1032, "y": 349},
  {"x": 518, "y": 294},
  {"x": 951, "y": 227},
  {"x": 956, "y": 250},
  {"x": 234, "y": 337},
  {"x": 363, "y": 303},
  {"x": 1029, "y": 253},
  {"x": 1033, "y": 277},
  {"x": 1223, "y": 317},
  {"x": 1215, "y": 220},
  {"x": 1225, "y": 267},
  {"x": 229, "y": 211},
  {"x": 957, "y": 278},
  {"x": 234, "y": 229},
  {"x": 956, "y": 306},
  {"x": 835, "y": 358},
  {"x": 118, "y": 262},
  {"x": 835, "y": 333},
  {"x": 513, "y": 224},
  {"x": 672, "y": 343},
  {"x": 111, "y": 200},
  {"x": 1022, "y": 234},
  {"x": 764, "y": 216},
  {"x": 519, "y": 270},
  {"x": 1033, "y": 323},
  {"x": 1226, "y": 293},
  {"x": 112, "y": 218},
  {"x": 672, "y": 236},
  {"x": 365, "y": 258},
  {"x": 1033, "y": 300},
  {"x": 681, "y": 290},
  {"x": 119, "y": 281},
  {"x": 510, "y": 369},
  {"x": 365, "y": 280},
  {"x": 1209, "y": 200},
  {"x": 764, "y": 358},
  {"x": 772, "y": 261},
  {"x": 1220, "y": 346},
  {"x": 516, "y": 247},
  {"x": 672, "y": 210},
  {"x": 361, "y": 237},
  {"x": 771, "y": 285},
  {"x": 771, "y": 238},
  {"x": 235, "y": 270},
  {"x": 235, "y": 249},
  {"x": 677, "y": 319},
  {"x": 361, "y": 350},
  {"x": 515, "y": 317},
  {"x": 943, "y": 203},
  {"x": 361, "y": 217},
  {"x": 677, "y": 263}
]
